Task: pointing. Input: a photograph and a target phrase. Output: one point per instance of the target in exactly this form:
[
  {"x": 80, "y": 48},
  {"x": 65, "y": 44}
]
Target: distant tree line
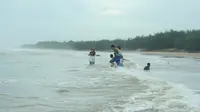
[{"x": 179, "y": 40}]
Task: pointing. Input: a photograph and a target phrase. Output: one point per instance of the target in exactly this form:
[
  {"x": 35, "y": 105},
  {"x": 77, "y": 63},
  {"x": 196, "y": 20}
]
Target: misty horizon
[{"x": 27, "y": 22}]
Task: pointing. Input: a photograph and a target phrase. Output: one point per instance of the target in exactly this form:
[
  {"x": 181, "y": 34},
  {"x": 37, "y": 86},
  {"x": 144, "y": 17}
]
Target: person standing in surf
[
  {"x": 92, "y": 56},
  {"x": 117, "y": 56},
  {"x": 120, "y": 52}
]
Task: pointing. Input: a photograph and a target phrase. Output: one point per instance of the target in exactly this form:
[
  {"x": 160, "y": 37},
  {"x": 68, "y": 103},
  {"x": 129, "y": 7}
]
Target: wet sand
[{"x": 174, "y": 54}]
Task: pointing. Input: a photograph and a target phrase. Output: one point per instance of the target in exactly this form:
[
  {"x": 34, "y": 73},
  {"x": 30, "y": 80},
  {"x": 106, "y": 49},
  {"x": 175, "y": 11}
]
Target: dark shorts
[{"x": 116, "y": 59}]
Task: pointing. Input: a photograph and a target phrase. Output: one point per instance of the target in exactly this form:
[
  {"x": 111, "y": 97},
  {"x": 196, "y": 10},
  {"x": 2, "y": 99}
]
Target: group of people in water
[{"x": 117, "y": 58}]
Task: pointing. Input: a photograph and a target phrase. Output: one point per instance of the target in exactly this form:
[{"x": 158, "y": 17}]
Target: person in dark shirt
[
  {"x": 147, "y": 68},
  {"x": 112, "y": 63}
]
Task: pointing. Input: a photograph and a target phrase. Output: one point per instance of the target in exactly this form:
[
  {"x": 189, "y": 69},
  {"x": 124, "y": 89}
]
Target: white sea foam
[{"x": 160, "y": 95}]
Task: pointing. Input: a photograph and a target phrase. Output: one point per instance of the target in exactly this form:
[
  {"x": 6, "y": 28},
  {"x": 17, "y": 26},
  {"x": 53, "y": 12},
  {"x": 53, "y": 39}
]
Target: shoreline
[
  {"x": 176, "y": 54},
  {"x": 173, "y": 54}
]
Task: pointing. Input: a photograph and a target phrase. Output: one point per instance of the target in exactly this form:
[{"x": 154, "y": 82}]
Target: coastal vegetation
[{"x": 167, "y": 41}]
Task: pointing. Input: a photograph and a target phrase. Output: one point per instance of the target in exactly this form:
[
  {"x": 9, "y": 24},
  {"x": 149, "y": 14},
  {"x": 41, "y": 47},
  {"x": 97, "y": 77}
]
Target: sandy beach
[{"x": 174, "y": 54}]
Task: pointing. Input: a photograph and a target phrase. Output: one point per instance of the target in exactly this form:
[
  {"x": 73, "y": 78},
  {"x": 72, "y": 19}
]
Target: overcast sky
[{"x": 29, "y": 21}]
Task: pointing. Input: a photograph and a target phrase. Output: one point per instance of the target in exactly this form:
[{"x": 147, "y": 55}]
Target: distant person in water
[
  {"x": 117, "y": 56},
  {"x": 92, "y": 56},
  {"x": 147, "y": 68}
]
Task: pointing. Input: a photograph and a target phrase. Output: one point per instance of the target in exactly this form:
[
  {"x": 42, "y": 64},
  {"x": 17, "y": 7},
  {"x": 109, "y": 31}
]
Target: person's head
[
  {"x": 112, "y": 46},
  {"x": 119, "y": 47},
  {"x": 111, "y": 55},
  {"x": 91, "y": 49},
  {"x": 148, "y": 64}
]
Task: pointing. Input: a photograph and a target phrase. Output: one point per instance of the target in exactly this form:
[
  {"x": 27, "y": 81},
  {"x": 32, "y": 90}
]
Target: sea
[{"x": 33, "y": 80}]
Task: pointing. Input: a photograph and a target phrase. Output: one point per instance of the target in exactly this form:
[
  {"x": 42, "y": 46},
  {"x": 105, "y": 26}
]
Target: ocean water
[{"x": 62, "y": 81}]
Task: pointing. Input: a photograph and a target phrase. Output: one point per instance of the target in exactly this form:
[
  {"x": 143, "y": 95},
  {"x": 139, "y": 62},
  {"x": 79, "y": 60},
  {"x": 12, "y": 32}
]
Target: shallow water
[{"x": 62, "y": 81}]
